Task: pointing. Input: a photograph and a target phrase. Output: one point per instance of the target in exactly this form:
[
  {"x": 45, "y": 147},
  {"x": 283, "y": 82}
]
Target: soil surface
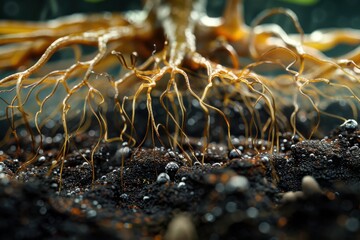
[{"x": 156, "y": 194}]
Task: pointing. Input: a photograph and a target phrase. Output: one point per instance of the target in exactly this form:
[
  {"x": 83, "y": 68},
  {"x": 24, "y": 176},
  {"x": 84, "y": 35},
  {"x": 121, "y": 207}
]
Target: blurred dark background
[{"x": 313, "y": 14}]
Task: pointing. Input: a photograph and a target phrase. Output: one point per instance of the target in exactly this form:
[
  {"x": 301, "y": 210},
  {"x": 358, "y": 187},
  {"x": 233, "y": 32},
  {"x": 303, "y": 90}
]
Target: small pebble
[
  {"x": 292, "y": 196},
  {"x": 310, "y": 186},
  {"x": 181, "y": 227}
]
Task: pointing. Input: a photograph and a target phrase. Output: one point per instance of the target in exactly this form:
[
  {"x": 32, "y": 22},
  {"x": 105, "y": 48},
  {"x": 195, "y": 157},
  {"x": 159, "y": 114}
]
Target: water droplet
[
  {"x": 219, "y": 187},
  {"x": 181, "y": 185},
  {"x": 163, "y": 178},
  {"x": 217, "y": 211},
  {"x": 352, "y": 224},
  {"x": 123, "y": 152},
  {"x": 234, "y": 153},
  {"x": 216, "y": 165},
  {"x": 197, "y": 163},
  {"x": 252, "y": 212},
  {"x": 171, "y": 168},
  {"x": 40, "y": 203},
  {"x": 264, "y": 227},
  {"x": 91, "y": 133},
  {"x": 354, "y": 149},
  {"x": 231, "y": 207},
  {"x": 43, "y": 210},
  {"x": 209, "y": 217},
  {"x": 2, "y": 166},
  {"x": 350, "y": 125},
  {"x": 172, "y": 154},
  {"x": 91, "y": 213},
  {"x": 42, "y": 159},
  {"x": 124, "y": 197},
  {"x": 237, "y": 183},
  {"x": 191, "y": 121},
  {"x": 4, "y": 178},
  {"x": 195, "y": 103}
]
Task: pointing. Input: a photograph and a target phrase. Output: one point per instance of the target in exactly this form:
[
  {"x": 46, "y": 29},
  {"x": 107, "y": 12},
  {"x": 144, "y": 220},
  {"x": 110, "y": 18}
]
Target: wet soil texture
[{"x": 155, "y": 193}]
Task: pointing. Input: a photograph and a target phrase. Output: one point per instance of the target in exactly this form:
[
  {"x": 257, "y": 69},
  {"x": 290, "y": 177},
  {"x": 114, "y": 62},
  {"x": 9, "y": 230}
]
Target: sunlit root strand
[
  {"x": 21, "y": 41},
  {"x": 100, "y": 38},
  {"x": 174, "y": 76}
]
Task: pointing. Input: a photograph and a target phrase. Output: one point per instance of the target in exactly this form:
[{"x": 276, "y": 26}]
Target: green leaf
[
  {"x": 93, "y": 1},
  {"x": 301, "y": 2}
]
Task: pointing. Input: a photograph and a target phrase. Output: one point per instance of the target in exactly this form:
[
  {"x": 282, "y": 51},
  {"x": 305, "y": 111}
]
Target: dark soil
[{"x": 236, "y": 197}]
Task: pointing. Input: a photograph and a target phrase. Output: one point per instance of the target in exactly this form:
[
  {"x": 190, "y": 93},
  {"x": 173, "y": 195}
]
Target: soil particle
[
  {"x": 329, "y": 161},
  {"x": 120, "y": 192}
]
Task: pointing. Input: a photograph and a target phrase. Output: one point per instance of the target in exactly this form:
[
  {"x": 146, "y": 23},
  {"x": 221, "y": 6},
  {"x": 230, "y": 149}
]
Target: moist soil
[{"x": 155, "y": 193}]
